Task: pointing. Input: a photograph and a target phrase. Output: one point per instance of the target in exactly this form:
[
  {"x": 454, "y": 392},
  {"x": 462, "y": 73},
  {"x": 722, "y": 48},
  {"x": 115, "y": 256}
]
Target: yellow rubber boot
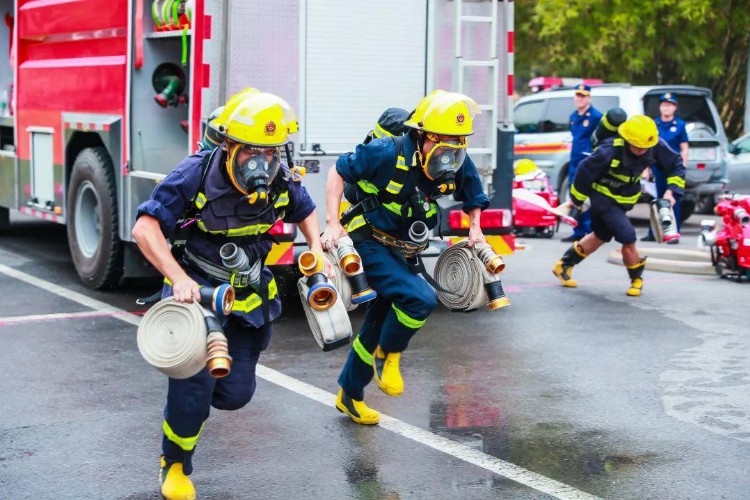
[
  {"x": 635, "y": 287},
  {"x": 175, "y": 485},
  {"x": 636, "y": 281},
  {"x": 357, "y": 410},
  {"x": 387, "y": 372},
  {"x": 563, "y": 274},
  {"x": 564, "y": 267}
]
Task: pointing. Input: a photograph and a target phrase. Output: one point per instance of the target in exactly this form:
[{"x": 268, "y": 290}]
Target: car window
[
  {"x": 605, "y": 102},
  {"x": 691, "y": 108},
  {"x": 557, "y": 115},
  {"x": 526, "y": 117}
]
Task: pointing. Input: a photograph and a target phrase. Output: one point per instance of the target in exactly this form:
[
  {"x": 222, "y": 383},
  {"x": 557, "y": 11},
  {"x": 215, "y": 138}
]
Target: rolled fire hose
[
  {"x": 670, "y": 260},
  {"x": 180, "y": 339},
  {"x": 331, "y": 328},
  {"x": 467, "y": 274}
]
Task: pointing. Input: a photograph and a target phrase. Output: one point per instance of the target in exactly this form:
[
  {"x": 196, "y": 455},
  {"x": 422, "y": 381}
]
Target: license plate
[{"x": 702, "y": 154}]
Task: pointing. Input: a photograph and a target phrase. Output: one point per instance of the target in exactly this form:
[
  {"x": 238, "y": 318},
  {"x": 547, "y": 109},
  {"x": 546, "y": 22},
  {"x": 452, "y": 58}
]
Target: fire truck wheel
[{"x": 92, "y": 220}]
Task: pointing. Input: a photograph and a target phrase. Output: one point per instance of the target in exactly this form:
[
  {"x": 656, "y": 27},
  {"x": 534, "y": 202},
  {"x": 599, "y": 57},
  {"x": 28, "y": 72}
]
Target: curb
[{"x": 671, "y": 260}]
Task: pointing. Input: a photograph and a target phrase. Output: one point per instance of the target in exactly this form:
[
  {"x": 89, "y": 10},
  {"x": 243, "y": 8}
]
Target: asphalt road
[{"x": 567, "y": 393}]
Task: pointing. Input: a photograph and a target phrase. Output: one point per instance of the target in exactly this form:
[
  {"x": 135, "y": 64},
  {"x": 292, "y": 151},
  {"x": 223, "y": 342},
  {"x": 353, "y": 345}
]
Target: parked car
[
  {"x": 738, "y": 165},
  {"x": 542, "y": 123}
]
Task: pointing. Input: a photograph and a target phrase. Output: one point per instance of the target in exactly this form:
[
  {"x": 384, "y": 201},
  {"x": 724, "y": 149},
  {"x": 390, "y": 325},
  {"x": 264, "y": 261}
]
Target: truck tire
[
  {"x": 4, "y": 219},
  {"x": 92, "y": 223}
]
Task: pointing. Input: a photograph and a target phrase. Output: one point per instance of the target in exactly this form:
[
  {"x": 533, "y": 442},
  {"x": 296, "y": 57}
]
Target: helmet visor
[
  {"x": 252, "y": 169},
  {"x": 446, "y": 156}
]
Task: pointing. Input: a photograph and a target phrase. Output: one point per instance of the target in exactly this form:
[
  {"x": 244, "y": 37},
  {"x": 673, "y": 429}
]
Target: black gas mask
[
  {"x": 442, "y": 162},
  {"x": 252, "y": 170}
]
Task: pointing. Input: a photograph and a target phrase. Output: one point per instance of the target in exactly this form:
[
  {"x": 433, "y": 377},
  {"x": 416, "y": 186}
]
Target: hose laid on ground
[
  {"x": 464, "y": 275},
  {"x": 671, "y": 260},
  {"x": 172, "y": 337}
]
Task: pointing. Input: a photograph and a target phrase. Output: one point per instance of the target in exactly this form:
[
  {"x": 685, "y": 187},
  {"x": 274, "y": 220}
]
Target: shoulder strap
[{"x": 400, "y": 175}]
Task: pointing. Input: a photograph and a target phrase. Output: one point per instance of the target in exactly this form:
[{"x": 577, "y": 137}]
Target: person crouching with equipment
[
  {"x": 393, "y": 184},
  {"x": 610, "y": 179},
  {"x": 231, "y": 194}
]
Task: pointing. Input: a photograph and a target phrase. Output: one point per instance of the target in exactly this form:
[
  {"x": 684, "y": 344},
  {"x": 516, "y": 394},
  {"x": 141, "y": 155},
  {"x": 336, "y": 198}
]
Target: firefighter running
[
  {"x": 393, "y": 183},
  {"x": 610, "y": 178},
  {"x": 233, "y": 193}
]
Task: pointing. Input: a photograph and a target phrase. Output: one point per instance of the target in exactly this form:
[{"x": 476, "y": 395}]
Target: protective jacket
[
  {"x": 613, "y": 174},
  {"x": 372, "y": 169},
  {"x": 222, "y": 215}
]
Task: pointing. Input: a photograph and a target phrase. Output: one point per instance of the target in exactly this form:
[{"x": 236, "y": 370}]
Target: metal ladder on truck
[{"x": 484, "y": 155}]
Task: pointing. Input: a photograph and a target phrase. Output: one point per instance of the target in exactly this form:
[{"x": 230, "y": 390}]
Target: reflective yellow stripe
[
  {"x": 432, "y": 211},
  {"x": 619, "y": 141},
  {"x": 577, "y": 194},
  {"x": 252, "y": 230},
  {"x": 407, "y": 320},
  {"x": 365, "y": 356},
  {"x": 253, "y": 301},
  {"x": 677, "y": 181},
  {"x": 200, "y": 200},
  {"x": 614, "y": 164},
  {"x": 608, "y": 125},
  {"x": 356, "y": 223},
  {"x": 394, "y": 207},
  {"x": 186, "y": 443},
  {"x": 283, "y": 200},
  {"x": 368, "y": 187},
  {"x": 401, "y": 163},
  {"x": 625, "y": 200},
  {"x": 394, "y": 187},
  {"x": 626, "y": 178},
  {"x": 380, "y": 132}
]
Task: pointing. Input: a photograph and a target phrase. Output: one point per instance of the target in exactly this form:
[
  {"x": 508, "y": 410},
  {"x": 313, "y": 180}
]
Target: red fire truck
[{"x": 104, "y": 97}]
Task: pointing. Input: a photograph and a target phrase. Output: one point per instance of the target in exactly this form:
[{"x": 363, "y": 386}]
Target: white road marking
[
  {"x": 34, "y": 318},
  {"x": 460, "y": 451}
]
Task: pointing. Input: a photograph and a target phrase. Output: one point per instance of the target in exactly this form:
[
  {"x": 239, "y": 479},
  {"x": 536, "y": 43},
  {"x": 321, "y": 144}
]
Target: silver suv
[{"x": 543, "y": 135}]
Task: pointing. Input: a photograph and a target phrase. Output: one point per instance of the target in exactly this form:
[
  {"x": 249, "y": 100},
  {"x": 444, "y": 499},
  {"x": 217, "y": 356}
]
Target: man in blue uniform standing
[
  {"x": 583, "y": 122},
  {"x": 672, "y": 130},
  {"x": 393, "y": 183},
  {"x": 232, "y": 193}
]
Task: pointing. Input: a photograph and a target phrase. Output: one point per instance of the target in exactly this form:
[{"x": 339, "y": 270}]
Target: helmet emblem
[
  {"x": 460, "y": 118},
  {"x": 270, "y": 128}
]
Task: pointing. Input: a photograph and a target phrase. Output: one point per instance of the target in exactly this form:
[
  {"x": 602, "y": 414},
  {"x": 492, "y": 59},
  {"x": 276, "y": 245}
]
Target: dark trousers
[
  {"x": 404, "y": 302},
  {"x": 189, "y": 401}
]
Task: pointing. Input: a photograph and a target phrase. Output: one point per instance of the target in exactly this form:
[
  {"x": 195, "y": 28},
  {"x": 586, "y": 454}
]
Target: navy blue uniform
[
  {"x": 222, "y": 212},
  {"x": 405, "y": 300},
  {"x": 610, "y": 177},
  {"x": 581, "y": 126}
]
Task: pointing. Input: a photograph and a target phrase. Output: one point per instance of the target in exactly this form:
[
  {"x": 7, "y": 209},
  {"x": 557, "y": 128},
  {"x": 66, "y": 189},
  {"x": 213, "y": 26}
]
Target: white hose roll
[
  {"x": 330, "y": 328},
  {"x": 172, "y": 338},
  {"x": 460, "y": 271}
]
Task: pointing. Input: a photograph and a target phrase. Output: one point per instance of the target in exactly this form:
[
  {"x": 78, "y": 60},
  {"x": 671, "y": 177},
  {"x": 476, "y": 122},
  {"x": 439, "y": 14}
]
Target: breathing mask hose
[
  {"x": 322, "y": 294},
  {"x": 464, "y": 274},
  {"x": 235, "y": 259}
]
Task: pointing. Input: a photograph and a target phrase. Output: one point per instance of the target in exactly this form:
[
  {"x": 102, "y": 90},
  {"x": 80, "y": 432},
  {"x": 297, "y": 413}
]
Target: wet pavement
[{"x": 616, "y": 397}]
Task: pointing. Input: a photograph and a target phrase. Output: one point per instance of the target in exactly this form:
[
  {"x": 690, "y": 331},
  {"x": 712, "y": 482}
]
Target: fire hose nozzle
[
  {"x": 492, "y": 261},
  {"x": 310, "y": 263},
  {"x": 351, "y": 263},
  {"x": 322, "y": 294},
  {"x": 219, "y": 300},
  {"x": 496, "y": 295},
  {"x": 218, "y": 360}
]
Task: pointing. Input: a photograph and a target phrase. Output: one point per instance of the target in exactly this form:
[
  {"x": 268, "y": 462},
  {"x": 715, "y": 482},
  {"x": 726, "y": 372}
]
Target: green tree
[{"x": 643, "y": 42}]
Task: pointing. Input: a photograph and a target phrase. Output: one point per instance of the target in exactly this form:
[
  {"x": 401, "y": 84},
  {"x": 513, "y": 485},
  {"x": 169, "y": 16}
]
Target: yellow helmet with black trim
[
  {"x": 445, "y": 113},
  {"x": 220, "y": 119},
  {"x": 260, "y": 119},
  {"x": 640, "y": 131}
]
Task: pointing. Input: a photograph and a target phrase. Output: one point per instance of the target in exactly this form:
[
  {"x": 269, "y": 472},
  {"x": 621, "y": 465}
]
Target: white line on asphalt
[
  {"x": 31, "y": 318},
  {"x": 462, "y": 452}
]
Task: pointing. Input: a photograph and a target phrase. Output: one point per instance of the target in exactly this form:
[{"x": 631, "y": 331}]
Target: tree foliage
[{"x": 643, "y": 42}]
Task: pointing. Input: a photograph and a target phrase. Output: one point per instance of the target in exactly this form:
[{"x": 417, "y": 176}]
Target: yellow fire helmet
[
  {"x": 216, "y": 122},
  {"x": 261, "y": 119},
  {"x": 526, "y": 169},
  {"x": 445, "y": 113},
  {"x": 640, "y": 131}
]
